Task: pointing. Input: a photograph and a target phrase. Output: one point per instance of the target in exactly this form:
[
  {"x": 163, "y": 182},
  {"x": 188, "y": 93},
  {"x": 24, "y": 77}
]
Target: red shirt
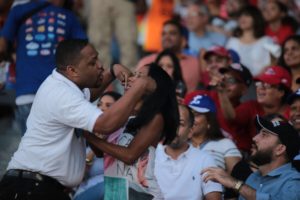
[
  {"x": 244, "y": 122},
  {"x": 205, "y": 78},
  {"x": 281, "y": 34},
  {"x": 242, "y": 129}
]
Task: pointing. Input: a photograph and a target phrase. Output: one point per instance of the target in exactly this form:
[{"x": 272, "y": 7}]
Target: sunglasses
[{"x": 231, "y": 81}]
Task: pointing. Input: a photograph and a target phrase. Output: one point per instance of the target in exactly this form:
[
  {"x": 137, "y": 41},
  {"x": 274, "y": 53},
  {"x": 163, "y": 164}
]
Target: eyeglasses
[
  {"x": 138, "y": 74},
  {"x": 264, "y": 85}
]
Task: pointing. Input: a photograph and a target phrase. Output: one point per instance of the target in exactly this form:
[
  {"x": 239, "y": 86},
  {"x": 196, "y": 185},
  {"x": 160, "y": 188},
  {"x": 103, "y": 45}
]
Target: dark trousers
[{"x": 24, "y": 188}]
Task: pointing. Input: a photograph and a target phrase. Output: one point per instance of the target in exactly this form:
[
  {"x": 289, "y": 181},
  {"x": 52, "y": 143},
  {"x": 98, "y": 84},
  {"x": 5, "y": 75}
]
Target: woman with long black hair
[{"x": 155, "y": 119}]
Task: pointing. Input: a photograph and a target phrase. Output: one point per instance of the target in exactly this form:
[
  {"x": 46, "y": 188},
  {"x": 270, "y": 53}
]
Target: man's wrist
[
  {"x": 89, "y": 161},
  {"x": 238, "y": 185}
]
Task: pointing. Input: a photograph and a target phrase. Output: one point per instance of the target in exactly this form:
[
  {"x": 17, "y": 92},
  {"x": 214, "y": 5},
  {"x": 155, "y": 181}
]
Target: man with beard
[
  {"x": 273, "y": 149},
  {"x": 177, "y": 165}
]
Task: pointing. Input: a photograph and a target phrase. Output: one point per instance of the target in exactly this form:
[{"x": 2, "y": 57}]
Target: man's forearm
[
  {"x": 117, "y": 114},
  {"x": 226, "y": 105}
]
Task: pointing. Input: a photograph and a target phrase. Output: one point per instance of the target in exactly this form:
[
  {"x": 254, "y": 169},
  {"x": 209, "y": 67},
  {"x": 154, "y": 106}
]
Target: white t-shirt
[
  {"x": 255, "y": 56},
  {"x": 49, "y": 145},
  {"x": 220, "y": 149},
  {"x": 181, "y": 178}
]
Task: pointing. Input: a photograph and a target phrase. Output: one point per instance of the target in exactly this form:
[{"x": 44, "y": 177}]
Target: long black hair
[
  {"x": 214, "y": 132},
  {"x": 112, "y": 94},
  {"x": 177, "y": 75},
  {"x": 162, "y": 100}
]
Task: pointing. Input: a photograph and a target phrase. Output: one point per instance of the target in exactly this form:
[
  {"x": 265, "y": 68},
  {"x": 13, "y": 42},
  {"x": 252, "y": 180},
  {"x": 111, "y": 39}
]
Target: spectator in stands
[
  {"x": 177, "y": 165},
  {"x": 154, "y": 119},
  {"x": 197, "y": 20},
  {"x": 273, "y": 149},
  {"x": 107, "y": 19},
  {"x": 293, "y": 8},
  {"x": 272, "y": 88},
  {"x": 233, "y": 8},
  {"x": 174, "y": 39},
  {"x": 207, "y": 135},
  {"x": 236, "y": 81},
  {"x": 107, "y": 99},
  {"x": 36, "y": 28},
  {"x": 252, "y": 46},
  {"x": 216, "y": 57},
  {"x": 294, "y": 102},
  {"x": 290, "y": 58},
  {"x": 51, "y": 155},
  {"x": 278, "y": 23},
  {"x": 92, "y": 187},
  {"x": 215, "y": 8},
  {"x": 170, "y": 63}
]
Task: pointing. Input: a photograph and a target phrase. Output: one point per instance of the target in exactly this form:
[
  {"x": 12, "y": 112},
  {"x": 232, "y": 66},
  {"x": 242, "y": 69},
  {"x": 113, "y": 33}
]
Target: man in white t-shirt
[
  {"x": 51, "y": 155},
  {"x": 177, "y": 166}
]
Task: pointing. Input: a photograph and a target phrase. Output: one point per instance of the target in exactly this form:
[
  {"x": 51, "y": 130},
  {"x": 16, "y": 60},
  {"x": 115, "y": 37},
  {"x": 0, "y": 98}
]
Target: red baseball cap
[
  {"x": 275, "y": 75},
  {"x": 217, "y": 50}
]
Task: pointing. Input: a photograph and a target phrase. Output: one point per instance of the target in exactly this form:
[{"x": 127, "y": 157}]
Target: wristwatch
[
  {"x": 89, "y": 161},
  {"x": 238, "y": 185}
]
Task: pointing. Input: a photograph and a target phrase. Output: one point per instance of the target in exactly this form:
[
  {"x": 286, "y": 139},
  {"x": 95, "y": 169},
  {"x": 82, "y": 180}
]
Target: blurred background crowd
[{"x": 243, "y": 54}]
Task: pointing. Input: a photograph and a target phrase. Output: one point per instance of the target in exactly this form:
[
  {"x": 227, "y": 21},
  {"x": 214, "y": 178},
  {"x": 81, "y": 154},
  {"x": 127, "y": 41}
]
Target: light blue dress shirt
[
  {"x": 208, "y": 40},
  {"x": 280, "y": 184}
]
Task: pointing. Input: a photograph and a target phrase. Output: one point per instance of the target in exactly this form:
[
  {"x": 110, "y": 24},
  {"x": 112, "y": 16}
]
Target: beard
[
  {"x": 262, "y": 157},
  {"x": 176, "y": 143}
]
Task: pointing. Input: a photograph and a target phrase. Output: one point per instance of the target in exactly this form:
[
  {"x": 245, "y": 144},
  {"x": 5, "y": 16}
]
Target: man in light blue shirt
[
  {"x": 274, "y": 147},
  {"x": 206, "y": 41},
  {"x": 280, "y": 183},
  {"x": 200, "y": 37}
]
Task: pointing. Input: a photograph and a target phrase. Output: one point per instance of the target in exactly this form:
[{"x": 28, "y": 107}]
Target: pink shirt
[{"x": 189, "y": 67}]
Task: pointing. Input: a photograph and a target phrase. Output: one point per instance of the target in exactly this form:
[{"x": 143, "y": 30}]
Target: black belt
[{"x": 34, "y": 176}]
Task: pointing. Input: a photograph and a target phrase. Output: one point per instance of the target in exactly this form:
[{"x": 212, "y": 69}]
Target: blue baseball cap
[
  {"x": 235, "y": 58},
  {"x": 292, "y": 97},
  {"x": 202, "y": 104}
]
